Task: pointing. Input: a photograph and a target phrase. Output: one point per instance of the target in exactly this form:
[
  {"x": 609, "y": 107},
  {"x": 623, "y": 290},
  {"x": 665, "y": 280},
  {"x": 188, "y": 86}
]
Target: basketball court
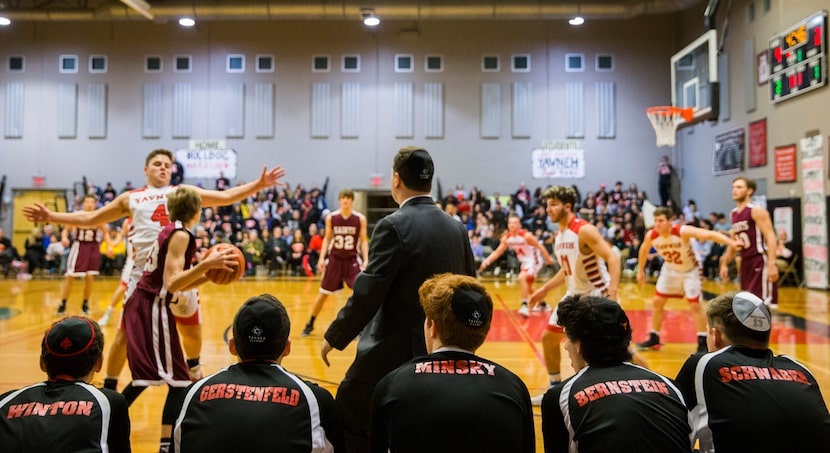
[{"x": 801, "y": 330}]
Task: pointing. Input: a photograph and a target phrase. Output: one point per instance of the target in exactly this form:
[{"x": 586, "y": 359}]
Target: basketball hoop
[{"x": 665, "y": 121}]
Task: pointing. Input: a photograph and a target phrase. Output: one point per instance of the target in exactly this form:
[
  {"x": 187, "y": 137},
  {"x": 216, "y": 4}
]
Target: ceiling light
[
  {"x": 577, "y": 20},
  {"x": 369, "y": 17},
  {"x": 187, "y": 22},
  {"x": 139, "y": 6},
  {"x": 4, "y": 21}
]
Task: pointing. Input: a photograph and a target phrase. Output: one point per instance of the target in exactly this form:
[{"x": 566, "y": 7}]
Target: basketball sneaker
[
  {"x": 537, "y": 400},
  {"x": 542, "y": 306},
  {"x": 61, "y": 310},
  {"x": 701, "y": 344},
  {"x": 85, "y": 309},
  {"x": 307, "y": 331},
  {"x": 195, "y": 372},
  {"x": 524, "y": 311},
  {"x": 653, "y": 342}
]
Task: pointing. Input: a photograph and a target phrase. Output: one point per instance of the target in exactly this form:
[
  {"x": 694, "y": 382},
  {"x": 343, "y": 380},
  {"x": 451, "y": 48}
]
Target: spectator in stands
[{"x": 35, "y": 255}]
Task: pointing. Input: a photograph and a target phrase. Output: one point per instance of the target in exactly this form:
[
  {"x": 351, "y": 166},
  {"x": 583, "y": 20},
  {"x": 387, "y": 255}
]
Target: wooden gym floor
[{"x": 801, "y": 330}]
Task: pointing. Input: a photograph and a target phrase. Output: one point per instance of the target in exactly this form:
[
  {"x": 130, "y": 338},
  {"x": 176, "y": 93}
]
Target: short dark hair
[
  {"x": 76, "y": 365},
  {"x": 750, "y": 183},
  {"x": 720, "y": 314},
  {"x": 601, "y": 327},
  {"x": 261, "y": 328},
  {"x": 415, "y": 167},
  {"x": 156, "y": 152},
  {"x": 663, "y": 211},
  {"x": 183, "y": 204},
  {"x": 565, "y": 194},
  {"x": 346, "y": 193},
  {"x": 436, "y": 295}
]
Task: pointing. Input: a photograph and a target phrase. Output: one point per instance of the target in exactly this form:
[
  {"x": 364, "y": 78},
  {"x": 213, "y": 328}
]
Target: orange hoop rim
[{"x": 667, "y": 110}]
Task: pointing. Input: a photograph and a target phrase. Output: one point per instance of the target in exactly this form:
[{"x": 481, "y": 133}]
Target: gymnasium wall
[{"x": 640, "y": 47}]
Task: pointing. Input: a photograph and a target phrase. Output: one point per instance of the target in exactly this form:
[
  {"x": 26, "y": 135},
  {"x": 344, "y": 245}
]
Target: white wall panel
[
  {"x": 522, "y": 110},
  {"x": 575, "y": 101},
  {"x": 235, "y": 110},
  {"x": 153, "y": 115},
  {"x": 350, "y": 110},
  {"x": 67, "y": 110},
  {"x": 182, "y": 110},
  {"x": 404, "y": 106},
  {"x": 263, "y": 120},
  {"x": 490, "y": 110},
  {"x": 320, "y": 110},
  {"x": 13, "y": 117},
  {"x": 434, "y": 110},
  {"x": 96, "y": 103},
  {"x": 606, "y": 110}
]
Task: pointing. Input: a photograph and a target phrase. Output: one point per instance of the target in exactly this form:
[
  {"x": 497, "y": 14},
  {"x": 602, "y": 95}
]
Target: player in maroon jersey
[
  {"x": 345, "y": 232},
  {"x": 154, "y": 351},
  {"x": 85, "y": 255},
  {"x": 752, "y": 225}
]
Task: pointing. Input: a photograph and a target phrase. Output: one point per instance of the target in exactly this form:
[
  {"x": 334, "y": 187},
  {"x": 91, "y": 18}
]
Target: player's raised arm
[
  {"x": 268, "y": 178},
  {"x": 110, "y": 212}
]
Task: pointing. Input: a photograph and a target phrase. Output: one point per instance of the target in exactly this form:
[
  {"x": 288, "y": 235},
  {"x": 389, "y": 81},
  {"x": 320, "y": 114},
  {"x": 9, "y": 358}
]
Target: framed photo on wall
[
  {"x": 728, "y": 155},
  {"x": 758, "y": 143},
  {"x": 763, "y": 67}
]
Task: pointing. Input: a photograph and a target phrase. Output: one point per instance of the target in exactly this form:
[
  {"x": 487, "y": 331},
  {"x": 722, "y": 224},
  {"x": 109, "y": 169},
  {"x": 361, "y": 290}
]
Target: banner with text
[
  {"x": 207, "y": 159},
  {"x": 815, "y": 212},
  {"x": 559, "y": 159}
]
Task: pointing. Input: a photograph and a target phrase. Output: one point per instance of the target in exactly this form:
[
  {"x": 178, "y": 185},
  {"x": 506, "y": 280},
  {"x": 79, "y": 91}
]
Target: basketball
[{"x": 221, "y": 276}]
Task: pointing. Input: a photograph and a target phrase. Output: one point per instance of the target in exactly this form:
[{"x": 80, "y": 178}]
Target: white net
[{"x": 665, "y": 123}]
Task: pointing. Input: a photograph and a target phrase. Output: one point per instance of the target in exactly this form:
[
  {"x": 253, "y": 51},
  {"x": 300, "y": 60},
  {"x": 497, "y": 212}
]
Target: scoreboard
[{"x": 798, "y": 58}]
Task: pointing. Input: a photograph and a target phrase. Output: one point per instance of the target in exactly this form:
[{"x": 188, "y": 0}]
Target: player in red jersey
[
  {"x": 345, "y": 234},
  {"x": 527, "y": 250},
  {"x": 752, "y": 226},
  {"x": 681, "y": 272}
]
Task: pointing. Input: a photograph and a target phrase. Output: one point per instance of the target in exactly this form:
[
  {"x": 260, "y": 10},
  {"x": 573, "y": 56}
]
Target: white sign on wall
[
  {"x": 815, "y": 212},
  {"x": 558, "y": 159},
  {"x": 207, "y": 158}
]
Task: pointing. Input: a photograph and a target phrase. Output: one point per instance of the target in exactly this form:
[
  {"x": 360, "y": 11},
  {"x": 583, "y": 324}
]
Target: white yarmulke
[{"x": 751, "y": 311}]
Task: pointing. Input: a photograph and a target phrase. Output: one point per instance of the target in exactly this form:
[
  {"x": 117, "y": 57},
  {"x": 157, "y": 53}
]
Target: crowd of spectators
[{"x": 280, "y": 230}]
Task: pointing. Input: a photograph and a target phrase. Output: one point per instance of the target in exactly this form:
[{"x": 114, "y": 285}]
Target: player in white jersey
[
  {"x": 681, "y": 272},
  {"x": 126, "y": 272},
  {"x": 148, "y": 210},
  {"x": 527, "y": 250},
  {"x": 588, "y": 266}
]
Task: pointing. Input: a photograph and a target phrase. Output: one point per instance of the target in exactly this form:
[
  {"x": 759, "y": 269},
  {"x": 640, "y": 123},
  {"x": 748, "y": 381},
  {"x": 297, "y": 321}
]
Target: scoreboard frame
[{"x": 798, "y": 58}]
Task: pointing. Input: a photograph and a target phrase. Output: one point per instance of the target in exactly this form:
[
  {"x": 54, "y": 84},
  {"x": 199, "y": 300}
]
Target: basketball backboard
[{"x": 694, "y": 78}]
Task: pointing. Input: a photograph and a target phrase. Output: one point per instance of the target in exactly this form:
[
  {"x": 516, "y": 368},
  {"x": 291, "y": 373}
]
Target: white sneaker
[
  {"x": 195, "y": 372},
  {"x": 106, "y": 318},
  {"x": 524, "y": 311},
  {"x": 541, "y": 307},
  {"x": 537, "y": 400}
]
